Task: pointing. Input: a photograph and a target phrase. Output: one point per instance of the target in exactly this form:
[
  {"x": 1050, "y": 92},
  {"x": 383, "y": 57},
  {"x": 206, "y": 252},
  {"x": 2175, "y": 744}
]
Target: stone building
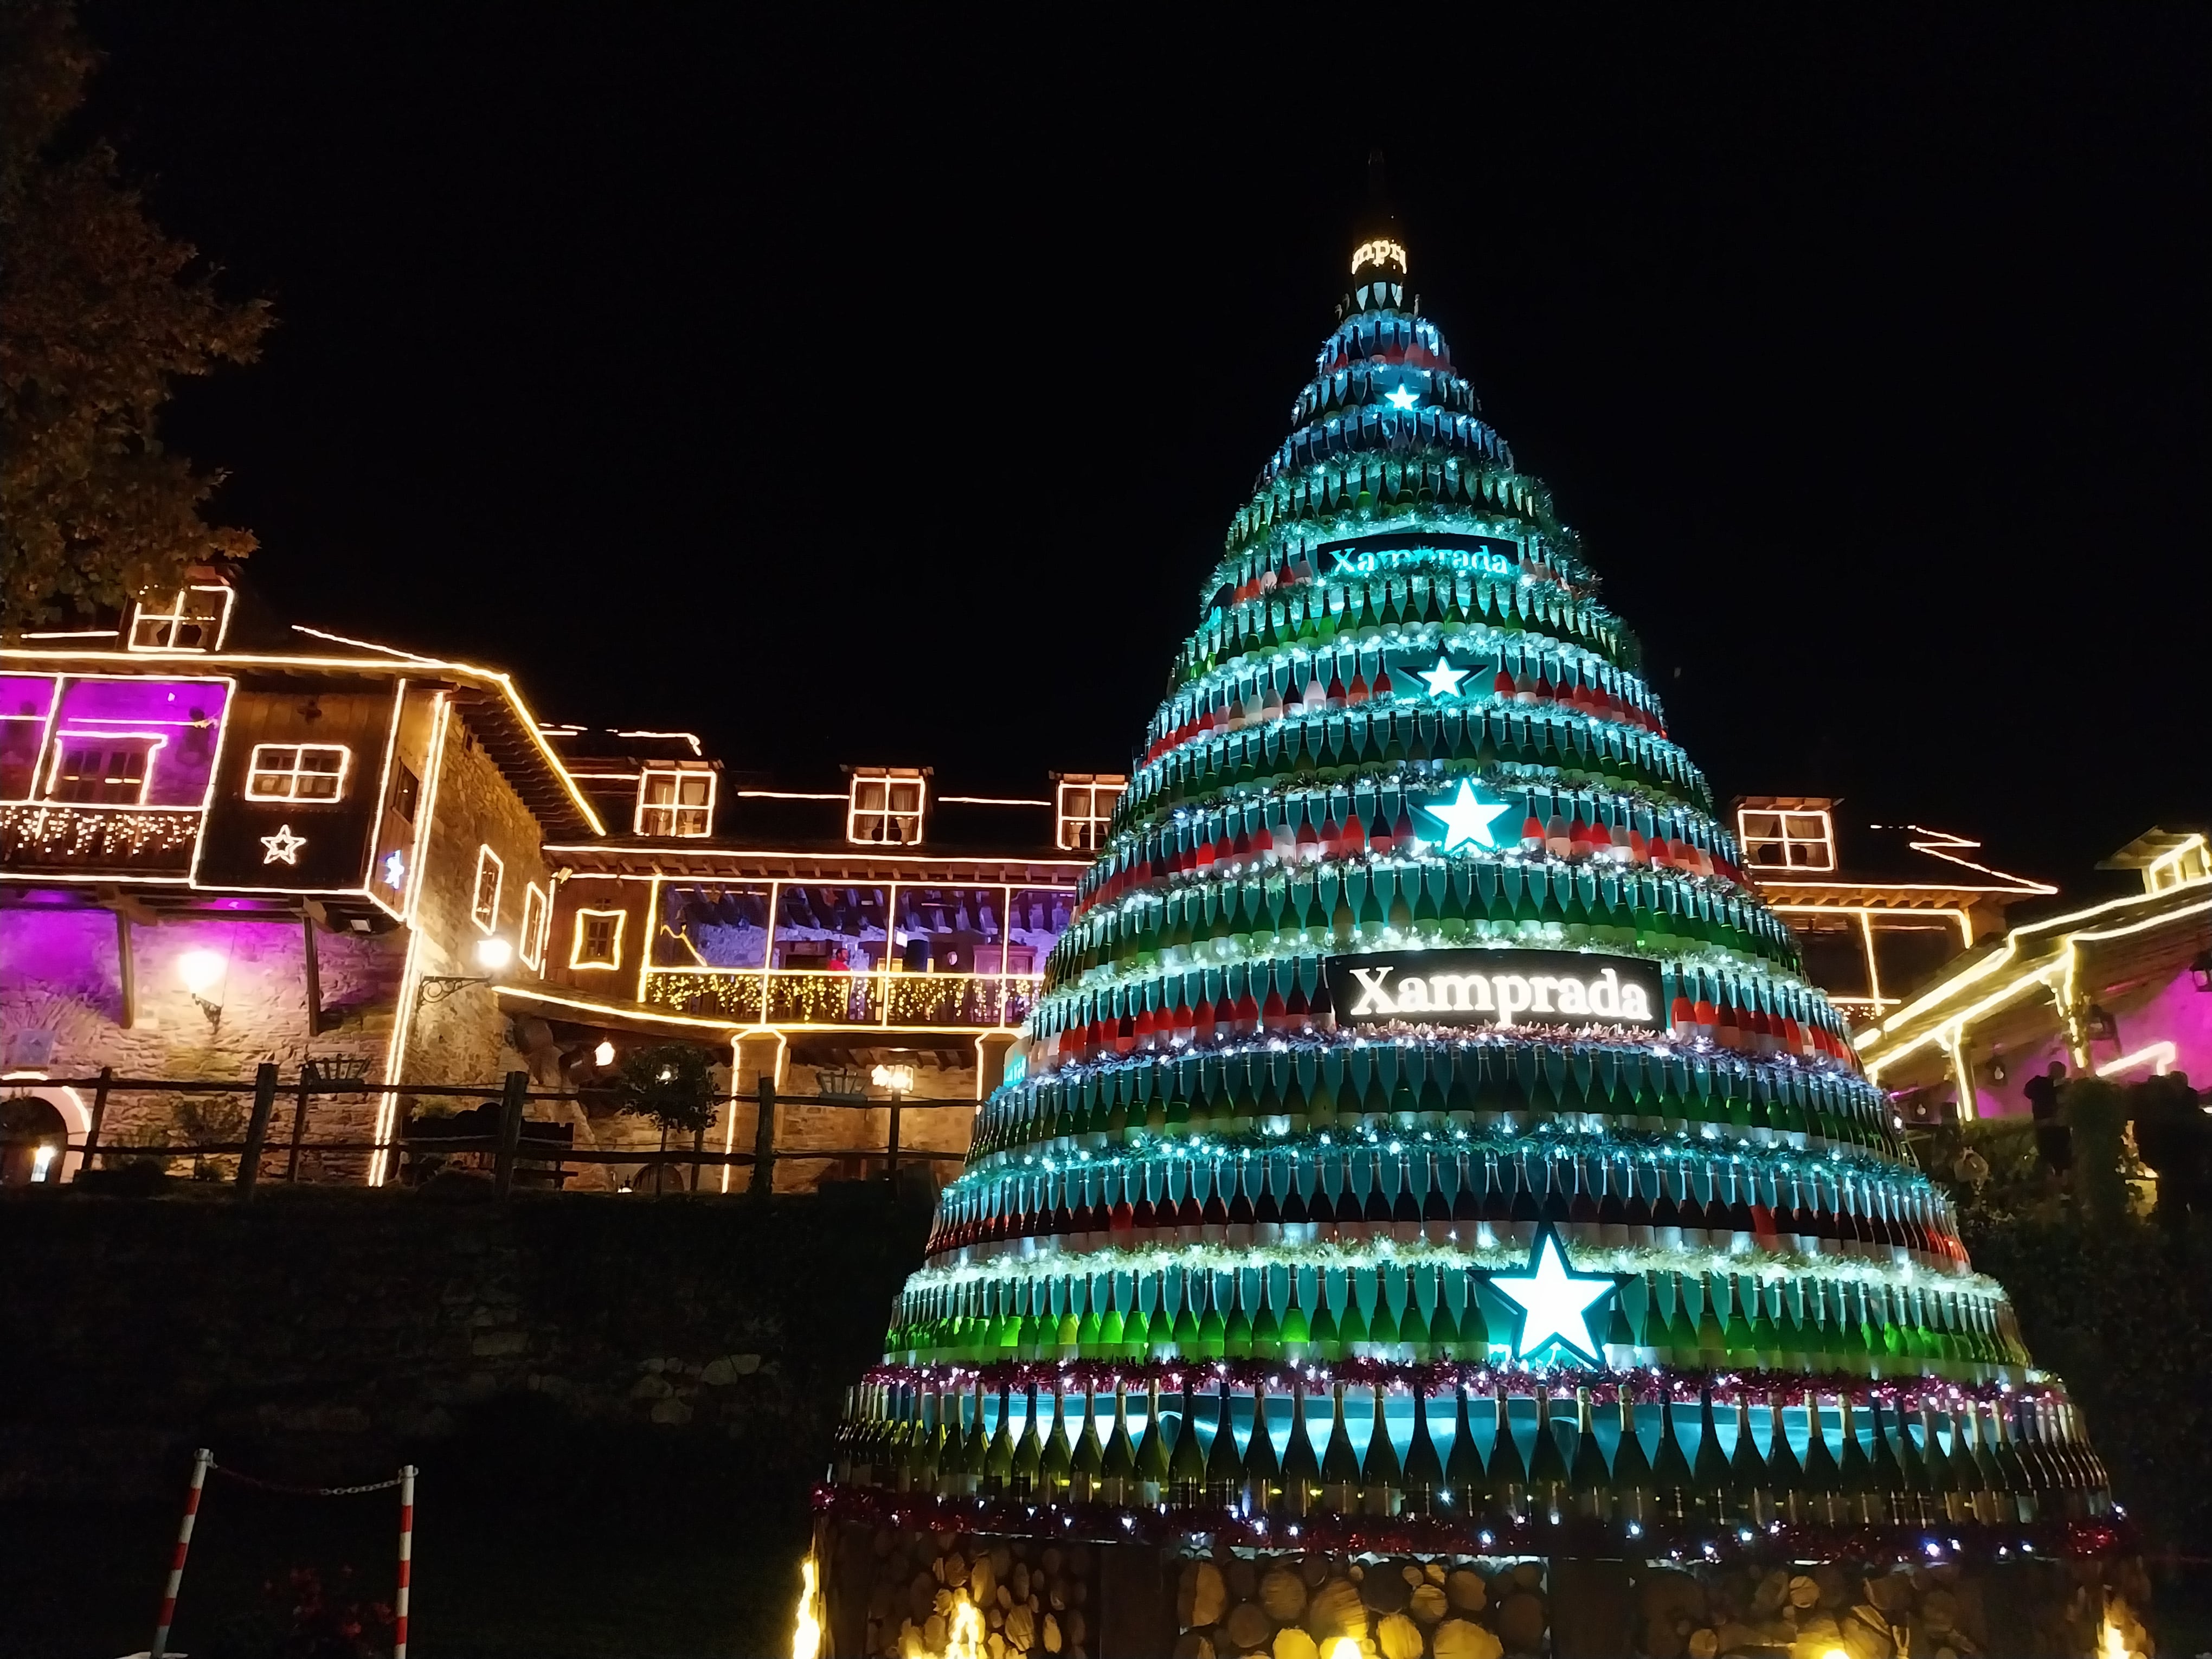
[{"x": 226, "y": 841}]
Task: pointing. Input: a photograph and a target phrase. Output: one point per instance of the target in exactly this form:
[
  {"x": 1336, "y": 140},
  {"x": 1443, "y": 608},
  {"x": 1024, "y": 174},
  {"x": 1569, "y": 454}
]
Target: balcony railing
[
  {"x": 47, "y": 835},
  {"x": 813, "y": 996}
]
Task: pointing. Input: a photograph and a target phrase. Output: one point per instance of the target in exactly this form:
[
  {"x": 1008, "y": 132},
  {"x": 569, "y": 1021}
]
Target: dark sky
[{"x": 866, "y": 396}]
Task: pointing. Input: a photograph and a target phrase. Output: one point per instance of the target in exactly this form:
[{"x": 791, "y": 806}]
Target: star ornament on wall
[
  {"x": 1555, "y": 1303},
  {"x": 1403, "y": 398},
  {"x": 283, "y": 847},
  {"x": 1443, "y": 679},
  {"x": 395, "y": 871},
  {"x": 1469, "y": 818}
]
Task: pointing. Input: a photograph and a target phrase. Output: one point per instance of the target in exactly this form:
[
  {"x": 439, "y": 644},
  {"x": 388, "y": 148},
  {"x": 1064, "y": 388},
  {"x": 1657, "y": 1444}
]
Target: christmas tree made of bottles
[{"x": 1422, "y": 1081}]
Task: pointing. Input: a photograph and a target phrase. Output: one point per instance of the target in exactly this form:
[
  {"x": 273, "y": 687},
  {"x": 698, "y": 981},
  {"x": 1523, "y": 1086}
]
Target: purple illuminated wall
[{"x": 185, "y": 714}]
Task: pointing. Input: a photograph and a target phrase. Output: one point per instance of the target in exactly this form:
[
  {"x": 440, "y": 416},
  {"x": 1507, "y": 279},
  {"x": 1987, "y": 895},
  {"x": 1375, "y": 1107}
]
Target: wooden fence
[{"x": 510, "y": 1143}]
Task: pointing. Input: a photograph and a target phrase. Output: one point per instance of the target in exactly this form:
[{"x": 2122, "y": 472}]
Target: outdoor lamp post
[
  {"x": 899, "y": 1079},
  {"x": 203, "y": 973},
  {"x": 493, "y": 954}
]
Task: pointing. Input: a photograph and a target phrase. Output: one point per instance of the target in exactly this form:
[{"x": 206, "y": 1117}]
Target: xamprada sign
[
  {"x": 1493, "y": 987},
  {"x": 1368, "y": 556}
]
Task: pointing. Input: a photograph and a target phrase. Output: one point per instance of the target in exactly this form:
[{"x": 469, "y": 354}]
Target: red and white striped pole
[
  {"x": 202, "y": 1461},
  {"x": 406, "y": 1561}
]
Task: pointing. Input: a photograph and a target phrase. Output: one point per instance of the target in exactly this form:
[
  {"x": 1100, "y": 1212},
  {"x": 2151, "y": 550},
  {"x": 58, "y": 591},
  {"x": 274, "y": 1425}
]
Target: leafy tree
[
  {"x": 671, "y": 1084},
  {"x": 99, "y": 312}
]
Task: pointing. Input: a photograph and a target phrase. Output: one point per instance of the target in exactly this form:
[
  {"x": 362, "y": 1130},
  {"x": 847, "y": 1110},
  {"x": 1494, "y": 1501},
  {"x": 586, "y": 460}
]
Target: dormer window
[
  {"x": 675, "y": 800},
  {"x": 1085, "y": 805},
  {"x": 192, "y": 619},
  {"x": 886, "y": 806},
  {"x": 1786, "y": 839}
]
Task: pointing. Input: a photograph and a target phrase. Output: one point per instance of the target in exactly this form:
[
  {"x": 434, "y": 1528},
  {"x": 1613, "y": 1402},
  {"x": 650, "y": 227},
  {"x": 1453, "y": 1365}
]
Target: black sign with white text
[{"x": 1502, "y": 988}]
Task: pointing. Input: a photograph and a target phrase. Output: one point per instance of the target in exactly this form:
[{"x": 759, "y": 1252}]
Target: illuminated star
[
  {"x": 1443, "y": 679},
  {"x": 395, "y": 871},
  {"x": 283, "y": 846},
  {"x": 1402, "y": 398},
  {"x": 1468, "y": 819},
  {"x": 1554, "y": 1303}
]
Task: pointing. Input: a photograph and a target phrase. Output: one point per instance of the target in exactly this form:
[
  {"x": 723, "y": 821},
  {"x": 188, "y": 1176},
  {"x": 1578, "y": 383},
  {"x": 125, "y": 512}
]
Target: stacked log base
[{"x": 1302, "y": 1604}]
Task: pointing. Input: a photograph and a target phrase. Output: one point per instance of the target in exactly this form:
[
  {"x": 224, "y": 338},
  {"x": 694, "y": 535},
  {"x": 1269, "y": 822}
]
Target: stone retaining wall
[{"x": 319, "y": 1332}]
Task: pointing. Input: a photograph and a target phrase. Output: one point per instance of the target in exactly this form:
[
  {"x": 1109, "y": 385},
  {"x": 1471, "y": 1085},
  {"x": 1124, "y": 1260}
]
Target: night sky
[{"x": 851, "y": 395}]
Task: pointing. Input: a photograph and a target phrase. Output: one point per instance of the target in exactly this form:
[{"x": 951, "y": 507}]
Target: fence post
[
  {"x": 763, "y": 1181},
  {"x": 406, "y": 1561},
  {"x": 201, "y": 1459},
  {"x": 510, "y": 1131},
  {"x": 307, "y": 1078},
  {"x": 897, "y": 1101},
  {"x": 257, "y": 1128},
  {"x": 99, "y": 1111}
]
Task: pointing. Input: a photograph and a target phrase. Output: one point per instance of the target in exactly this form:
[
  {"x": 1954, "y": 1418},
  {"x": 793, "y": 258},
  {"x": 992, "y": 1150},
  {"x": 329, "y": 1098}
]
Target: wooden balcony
[
  {"x": 48, "y": 837},
  {"x": 819, "y": 999}
]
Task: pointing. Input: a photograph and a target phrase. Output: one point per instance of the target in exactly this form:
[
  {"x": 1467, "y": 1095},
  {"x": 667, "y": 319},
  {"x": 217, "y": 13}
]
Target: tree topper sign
[
  {"x": 1499, "y": 989},
  {"x": 1369, "y": 555}
]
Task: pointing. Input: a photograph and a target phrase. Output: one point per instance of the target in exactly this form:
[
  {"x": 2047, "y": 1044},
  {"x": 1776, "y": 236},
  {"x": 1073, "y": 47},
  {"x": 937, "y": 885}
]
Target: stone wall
[{"x": 319, "y": 1332}]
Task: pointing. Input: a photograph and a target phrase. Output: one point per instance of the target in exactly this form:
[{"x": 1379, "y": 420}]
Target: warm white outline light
[
  {"x": 576, "y": 941},
  {"x": 1784, "y": 840},
  {"x": 1090, "y": 784},
  {"x": 283, "y": 847},
  {"x": 175, "y": 617},
  {"x": 2159, "y": 1056},
  {"x": 676, "y": 808},
  {"x": 54, "y": 684},
  {"x": 486, "y": 919},
  {"x": 886, "y": 775},
  {"x": 156, "y": 740},
  {"x": 536, "y": 922},
  {"x": 410, "y": 971},
  {"x": 1376, "y": 252},
  {"x": 299, "y": 750}
]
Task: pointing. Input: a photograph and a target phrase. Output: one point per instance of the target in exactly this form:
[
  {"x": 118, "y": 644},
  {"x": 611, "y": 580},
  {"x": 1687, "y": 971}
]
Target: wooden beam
[{"x": 127, "y": 968}]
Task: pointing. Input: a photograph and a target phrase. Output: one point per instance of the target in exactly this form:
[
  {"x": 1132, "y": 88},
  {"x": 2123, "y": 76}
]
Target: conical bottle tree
[{"x": 1418, "y": 1037}]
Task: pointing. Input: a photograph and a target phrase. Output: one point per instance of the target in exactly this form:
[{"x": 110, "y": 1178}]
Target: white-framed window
[
  {"x": 1786, "y": 839},
  {"x": 887, "y": 804},
  {"x": 195, "y": 618},
  {"x": 298, "y": 771},
  {"x": 536, "y": 922},
  {"x": 1084, "y": 805},
  {"x": 673, "y": 800},
  {"x": 105, "y": 768},
  {"x": 491, "y": 874},
  {"x": 597, "y": 942}
]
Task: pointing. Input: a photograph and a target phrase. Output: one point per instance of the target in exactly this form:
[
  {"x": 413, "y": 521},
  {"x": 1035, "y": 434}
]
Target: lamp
[
  {"x": 603, "y": 1055},
  {"x": 492, "y": 953},
  {"x": 2201, "y": 971},
  {"x": 899, "y": 1079},
  {"x": 202, "y": 973}
]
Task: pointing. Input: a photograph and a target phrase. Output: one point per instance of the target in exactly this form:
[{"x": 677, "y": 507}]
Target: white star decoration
[
  {"x": 1402, "y": 398},
  {"x": 1443, "y": 679},
  {"x": 283, "y": 846},
  {"x": 1555, "y": 1303},
  {"x": 1468, "y": 819},
  {"x": 395, "y": 871}
]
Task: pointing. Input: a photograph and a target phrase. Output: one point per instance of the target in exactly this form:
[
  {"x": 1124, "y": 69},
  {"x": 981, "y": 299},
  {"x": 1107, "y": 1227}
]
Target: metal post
[
  {"x": 406, "y": 1562},
  {"x": 763, "y": 1180},
  {"x": 201, "y": 1459},
  {"x": 257, "y": 1128},
  {"x": 299, "y": 1118},
  {"x": 510, "y": 1131},
  {"x": 99, "y": 1112},
  {"x": 897, "y": 1101}
]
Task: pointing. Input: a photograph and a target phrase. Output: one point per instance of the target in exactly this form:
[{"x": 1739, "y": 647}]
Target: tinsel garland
[{"x": 1483, "y": 1538}]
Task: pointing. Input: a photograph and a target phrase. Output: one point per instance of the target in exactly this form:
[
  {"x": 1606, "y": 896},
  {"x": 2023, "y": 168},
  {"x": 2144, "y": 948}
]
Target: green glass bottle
[
  {"x": 1508, "y": 1470},
  {"x": 999, "y": 1457},
  {"x": 1785, "y": 1475},
  {"x": 1747, "y": 1471},
  {"x": 975, "y": 1444},
  {"x": 1340, "y": 1464},
  {"x": 1382, "y": 1478},
  {"x": 1300, "y": 1482},
  {"x": 1712, "y": 1482},
  {"x": 1466, "y": 1489},
  {"x": 1551, "y": 1497},
  {"x": 1224, "y": 1470},
  {"x": 1864, "y": 1500},
  {"x": 1055, "y": 1462},
  {"x": 1029, "y": 1455},
  {"x": 1263, "y": 1471},
  {"x": 1117, "y": 1470},
  {"x": 1823, "y": 1478},
  {"x": 1590, "y": 1481},
  {"x": 1086, "y": 1466},
  {"x": 1153, "y": 1452},
  {"x": 1673, "y": 1483},
  {"x": 1634, "y": 1491},
  {"x": 1425, "y": 1470},
  {"x": 1186, "y": 1464}
]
